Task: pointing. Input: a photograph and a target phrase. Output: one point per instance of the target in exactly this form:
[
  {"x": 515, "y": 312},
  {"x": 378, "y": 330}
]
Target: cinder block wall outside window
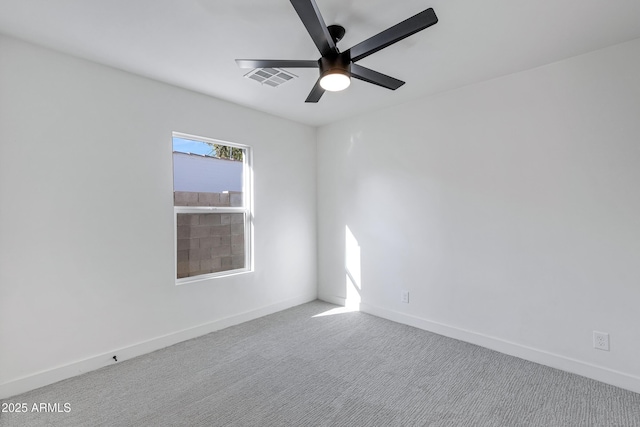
[{"x": 209, "y": 242}]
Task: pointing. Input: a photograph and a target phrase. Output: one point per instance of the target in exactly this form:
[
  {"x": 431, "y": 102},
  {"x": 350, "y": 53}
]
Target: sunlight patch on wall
[
  {"x": 352, "y": 141},
  {"x": 353, "y": 276}
]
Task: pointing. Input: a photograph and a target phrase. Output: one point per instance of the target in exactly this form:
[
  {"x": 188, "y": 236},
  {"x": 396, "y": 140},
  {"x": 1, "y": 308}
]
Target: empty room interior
[{"x": 406, "y": 213}]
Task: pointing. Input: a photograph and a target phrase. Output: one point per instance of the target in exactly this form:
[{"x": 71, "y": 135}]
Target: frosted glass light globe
[{"x": 335, "y": 82}]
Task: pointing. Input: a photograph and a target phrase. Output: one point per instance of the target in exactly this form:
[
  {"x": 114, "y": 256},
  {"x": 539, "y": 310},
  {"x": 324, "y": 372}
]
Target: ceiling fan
[{"x": 337, "y": 68}]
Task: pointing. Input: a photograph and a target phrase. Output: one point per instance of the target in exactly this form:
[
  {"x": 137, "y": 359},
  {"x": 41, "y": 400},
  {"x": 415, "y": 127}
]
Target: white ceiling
[{"x": 193, "y": 43}]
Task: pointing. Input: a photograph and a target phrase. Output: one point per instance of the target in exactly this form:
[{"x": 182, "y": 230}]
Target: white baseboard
[
  {"x": 585, "y": 369},
  {"x": 332, "y": 299},
  {"x": 50, "y": 376}
]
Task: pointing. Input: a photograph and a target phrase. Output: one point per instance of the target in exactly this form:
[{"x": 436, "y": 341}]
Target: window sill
[{"x": 219, "y": 275}]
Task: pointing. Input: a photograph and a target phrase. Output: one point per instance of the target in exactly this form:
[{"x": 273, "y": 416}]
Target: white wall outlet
[
  {"x": 601, "y": 340},
  {"x": 404, "y": 297}
]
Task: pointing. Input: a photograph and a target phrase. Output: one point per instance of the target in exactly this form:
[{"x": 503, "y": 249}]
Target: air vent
[{"x": 270, "y": 76}]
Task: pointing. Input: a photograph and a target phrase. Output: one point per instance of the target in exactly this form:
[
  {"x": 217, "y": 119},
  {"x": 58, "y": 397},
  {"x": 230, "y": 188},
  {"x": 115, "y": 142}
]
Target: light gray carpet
[{"x": 351, "y": 369}]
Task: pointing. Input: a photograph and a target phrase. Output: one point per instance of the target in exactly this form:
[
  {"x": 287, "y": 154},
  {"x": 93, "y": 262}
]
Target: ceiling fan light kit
[
  {"x": 335, "y": 81},
  {"x": 336, "y": 67},
  {"x": 335, "y": 72}
]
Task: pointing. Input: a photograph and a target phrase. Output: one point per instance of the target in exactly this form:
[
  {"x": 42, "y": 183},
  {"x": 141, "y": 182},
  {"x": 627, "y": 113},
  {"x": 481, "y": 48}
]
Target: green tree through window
[{"x": 226, "y": 152}]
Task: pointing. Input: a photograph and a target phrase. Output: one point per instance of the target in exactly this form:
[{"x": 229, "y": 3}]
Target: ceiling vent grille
[{"x": 270, "y": 76}]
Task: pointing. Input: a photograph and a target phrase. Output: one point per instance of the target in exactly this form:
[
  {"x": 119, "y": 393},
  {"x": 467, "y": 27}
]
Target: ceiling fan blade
[
  {"x": 312, "y": 19},
  {"x": 365, "y": 74},
  {"x": 394, "y": 34},
  {"x": 316, "y": 93},
  {"x": 276, "y": 63}
]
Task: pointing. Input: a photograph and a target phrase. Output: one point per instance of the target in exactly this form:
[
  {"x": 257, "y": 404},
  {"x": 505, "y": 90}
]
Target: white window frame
[{"x": 246, "y": 209}]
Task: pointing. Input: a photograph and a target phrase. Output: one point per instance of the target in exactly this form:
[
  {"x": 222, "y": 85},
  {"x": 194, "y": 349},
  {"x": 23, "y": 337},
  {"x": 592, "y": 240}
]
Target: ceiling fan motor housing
[{"x": 335, "y": 64}]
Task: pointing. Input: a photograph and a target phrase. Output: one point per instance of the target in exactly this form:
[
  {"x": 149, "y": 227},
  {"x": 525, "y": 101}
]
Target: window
[{"x": 212, "y": 207}]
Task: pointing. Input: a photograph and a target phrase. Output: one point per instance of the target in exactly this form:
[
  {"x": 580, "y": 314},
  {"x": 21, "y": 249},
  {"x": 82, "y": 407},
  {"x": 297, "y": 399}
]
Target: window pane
[
  {"x": 211, "y": 211},
  {"x": 210, "y": 243},
  {"x": 207, "y": 174}
]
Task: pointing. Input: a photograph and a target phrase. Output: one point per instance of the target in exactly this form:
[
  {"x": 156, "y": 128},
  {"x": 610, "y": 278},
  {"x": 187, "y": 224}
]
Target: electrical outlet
[
  {"x": 404, "y": 297},
  {"x": 601, "y": 340}
]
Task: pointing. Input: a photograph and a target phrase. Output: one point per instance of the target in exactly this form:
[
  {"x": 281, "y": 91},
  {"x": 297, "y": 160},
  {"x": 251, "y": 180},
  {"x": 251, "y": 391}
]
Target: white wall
[
  {"x": 509, "y": 209},
  {"x": 86, "y": 233}
]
